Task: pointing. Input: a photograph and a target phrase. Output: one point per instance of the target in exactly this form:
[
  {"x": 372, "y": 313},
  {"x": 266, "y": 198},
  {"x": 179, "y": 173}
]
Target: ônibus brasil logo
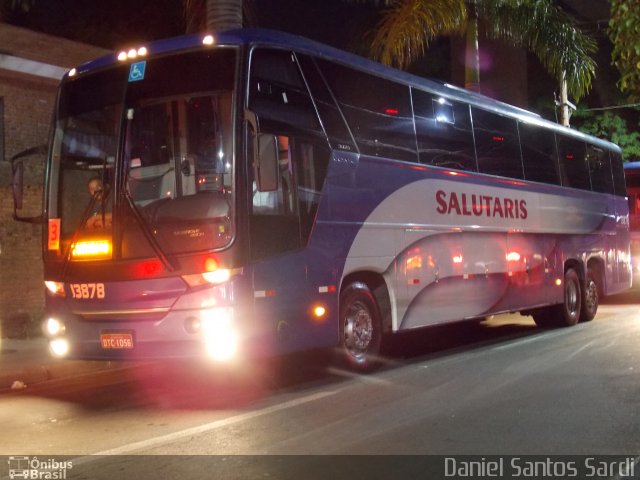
[{"x": 37, "y": 469}]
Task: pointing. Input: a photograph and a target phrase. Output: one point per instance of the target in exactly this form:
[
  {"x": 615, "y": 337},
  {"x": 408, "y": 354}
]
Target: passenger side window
[
  {"x": 573, "y": 165},
  {"x": 282, "y": 215},
  {"x": 619, "y": 184},
  {"x": 443, "y": 131},
  {"x": 497, "y": 144},
  {"x": 278, "y": 94},
  {"x": 539, "y": 154},
  {"x": 599, "y": 169},
  {"x": 282, "y": 219},
  {"x": 377, "y": 110},
  {"x": 311, "y": 162},
  {"x": 338, "y": 132}
]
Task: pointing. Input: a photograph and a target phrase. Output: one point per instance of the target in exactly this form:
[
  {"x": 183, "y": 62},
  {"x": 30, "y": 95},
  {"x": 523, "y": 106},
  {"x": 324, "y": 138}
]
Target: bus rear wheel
[
  {"x": 590, "y": 298},
  {"x": 360, "y": 327},
  {"x": 568, "y": 312}
]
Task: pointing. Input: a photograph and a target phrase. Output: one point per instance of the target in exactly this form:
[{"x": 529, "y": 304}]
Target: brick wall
[
  {"x": 28, "y": 106},
  {"x": 21, "y": 279}
]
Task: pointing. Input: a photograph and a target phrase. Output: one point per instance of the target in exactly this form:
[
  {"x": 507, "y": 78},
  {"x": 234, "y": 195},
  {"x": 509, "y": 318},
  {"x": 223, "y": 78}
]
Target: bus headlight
[
  {"x": 54, "y": 327},
  {"x": 219, "y": 334},
  {"x": 59, "y": 347},
  {"x": 56, "y": 288}
]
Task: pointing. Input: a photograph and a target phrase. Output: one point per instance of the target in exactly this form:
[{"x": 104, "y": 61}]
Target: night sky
[{"x": 115, "y": 24}]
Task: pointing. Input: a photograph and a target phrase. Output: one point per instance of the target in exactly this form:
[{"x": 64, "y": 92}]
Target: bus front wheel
[{"x": 360, "y": 327}]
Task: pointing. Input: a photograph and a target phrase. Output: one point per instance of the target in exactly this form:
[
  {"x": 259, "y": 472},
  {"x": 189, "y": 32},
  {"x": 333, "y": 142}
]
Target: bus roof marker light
[
  {"x": 73, "y": 72},
  {"x": 208, "y": 40},
  {"x": 122, "y": 56},
  {"x": 132, "y": 53},
  {"x": 142, "y": 51}
]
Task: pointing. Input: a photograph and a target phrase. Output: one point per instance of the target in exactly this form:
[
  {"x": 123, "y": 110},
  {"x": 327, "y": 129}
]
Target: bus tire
[
  {"x": 360, "y": 327},
  {"x": 568, "y": 312},
  {"x": 590, "y": 298}
]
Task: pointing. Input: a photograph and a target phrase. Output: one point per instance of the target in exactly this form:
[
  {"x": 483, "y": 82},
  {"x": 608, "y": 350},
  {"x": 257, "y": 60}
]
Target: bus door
[
  {"x": 289, "y": 279},
  {"x": 622, "y": 239}
]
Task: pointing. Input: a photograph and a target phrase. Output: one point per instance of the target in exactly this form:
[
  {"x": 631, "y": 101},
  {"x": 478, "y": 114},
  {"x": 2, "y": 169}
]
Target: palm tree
[
  {"x": 212, "y": 15},
  {"x": 10, "y": 7},
  {"x": 408, "y": 26}
]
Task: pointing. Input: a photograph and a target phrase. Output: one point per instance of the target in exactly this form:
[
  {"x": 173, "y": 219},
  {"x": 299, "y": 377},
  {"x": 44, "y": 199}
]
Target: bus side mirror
[
  {"x": 264, "y": 150},
  {"x": 17, "y": 182},
  {"x": 266, "y": 171}
]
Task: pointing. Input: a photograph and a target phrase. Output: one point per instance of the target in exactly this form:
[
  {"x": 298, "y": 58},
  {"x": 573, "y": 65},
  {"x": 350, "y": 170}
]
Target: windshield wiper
[
  {"x": 76, "y": 233},
  {"x": 147, "y": 232}
]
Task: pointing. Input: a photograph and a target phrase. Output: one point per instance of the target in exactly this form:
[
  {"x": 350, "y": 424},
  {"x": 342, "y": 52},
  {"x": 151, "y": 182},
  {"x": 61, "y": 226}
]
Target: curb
[
  {"x": 34, "y": 374},
  {"x": 28, "y": 362}
]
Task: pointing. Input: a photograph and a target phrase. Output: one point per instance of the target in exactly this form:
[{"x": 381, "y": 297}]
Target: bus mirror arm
[
  {"x": 252, "y": 136},
  {"x": 252, "y": 119}
]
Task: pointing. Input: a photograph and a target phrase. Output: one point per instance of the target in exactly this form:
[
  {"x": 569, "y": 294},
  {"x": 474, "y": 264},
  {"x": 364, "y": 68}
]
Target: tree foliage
[
  {"x": 408, "y": 26},
  {"x": 610, "y": 126},
  {"x": 624, "y": 31}
]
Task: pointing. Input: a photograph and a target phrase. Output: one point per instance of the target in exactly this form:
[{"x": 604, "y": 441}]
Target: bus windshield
[{"x": 150, "y": 159}]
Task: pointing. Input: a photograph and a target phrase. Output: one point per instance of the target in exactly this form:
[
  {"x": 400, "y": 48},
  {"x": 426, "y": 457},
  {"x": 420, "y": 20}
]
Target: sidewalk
[{"x": 26, "y": 362}]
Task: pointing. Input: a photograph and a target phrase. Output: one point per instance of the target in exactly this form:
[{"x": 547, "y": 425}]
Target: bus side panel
[
  {"x": 286, "y": 291},
  {"x": 445, "y": 277},
  {"x": 465, "y": 246}
]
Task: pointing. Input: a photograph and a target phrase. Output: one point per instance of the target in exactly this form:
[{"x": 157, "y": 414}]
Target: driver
[{"x": 99, "y": 218}]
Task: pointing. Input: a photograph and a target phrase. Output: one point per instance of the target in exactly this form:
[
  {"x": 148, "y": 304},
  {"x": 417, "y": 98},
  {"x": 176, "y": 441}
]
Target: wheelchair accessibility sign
[{"x": 136, "y": 72}]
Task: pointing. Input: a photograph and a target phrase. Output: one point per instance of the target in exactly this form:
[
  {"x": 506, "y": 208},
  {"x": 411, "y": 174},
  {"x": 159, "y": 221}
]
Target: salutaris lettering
[{"x": 478, "y": 205}]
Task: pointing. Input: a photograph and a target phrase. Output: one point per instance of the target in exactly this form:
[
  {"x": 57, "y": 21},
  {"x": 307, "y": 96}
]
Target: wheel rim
[
  {"x": 591, "y": 296},
  {"x": 358, "y": 329},
  {"x": 572, "y": 299}
]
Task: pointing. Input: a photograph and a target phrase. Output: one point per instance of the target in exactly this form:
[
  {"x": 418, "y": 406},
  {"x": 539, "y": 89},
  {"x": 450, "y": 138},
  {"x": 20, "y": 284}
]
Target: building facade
[{"x": 31, "y": 65}]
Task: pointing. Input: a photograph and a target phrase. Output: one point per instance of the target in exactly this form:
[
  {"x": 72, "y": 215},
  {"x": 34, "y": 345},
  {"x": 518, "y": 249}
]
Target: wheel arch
[
  {"x": 597, "y": 266},
  {"x": 380, "y": 290},
  {"x": 576, "y": 265}
]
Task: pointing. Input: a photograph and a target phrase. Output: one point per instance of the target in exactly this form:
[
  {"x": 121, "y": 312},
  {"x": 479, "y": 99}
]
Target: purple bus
[
  {"x": 632, "y": 175},
  {"x": 256, "y": 193}
]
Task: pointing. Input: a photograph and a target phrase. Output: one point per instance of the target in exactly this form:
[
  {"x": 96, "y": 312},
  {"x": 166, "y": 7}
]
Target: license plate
[{"x": 116, "y": 341}]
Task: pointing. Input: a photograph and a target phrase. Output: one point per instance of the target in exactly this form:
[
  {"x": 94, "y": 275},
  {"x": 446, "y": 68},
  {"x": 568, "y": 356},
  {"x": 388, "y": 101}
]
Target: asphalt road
[{"x": 502, "y": 387}]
